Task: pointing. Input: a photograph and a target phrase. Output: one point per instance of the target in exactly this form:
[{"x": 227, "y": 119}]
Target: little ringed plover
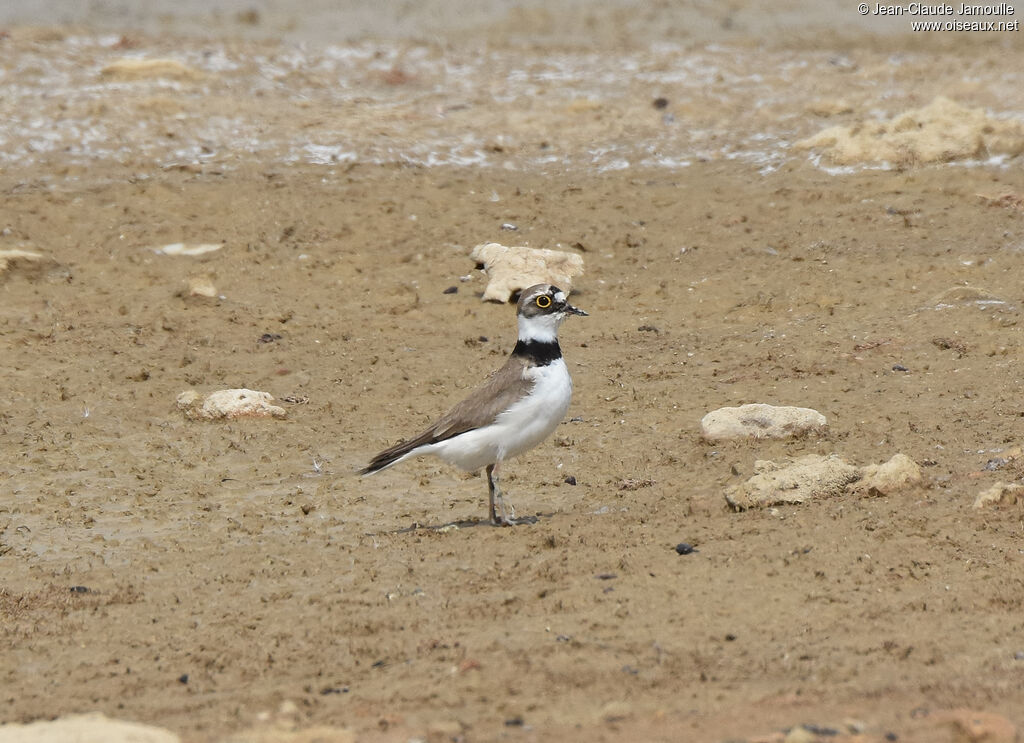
[{"x": 518, "y": 406}]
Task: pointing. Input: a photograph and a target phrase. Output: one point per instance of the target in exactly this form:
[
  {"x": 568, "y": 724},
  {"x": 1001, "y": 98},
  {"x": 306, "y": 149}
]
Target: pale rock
[
  {"x": 190, "y": 249},
  {"x": 889, "y": 477},
  {"x": 616, "y": 710},
  {"x": 16, "y": 256},
  {"x": 512, "y": 269},
  {"x": 759, "y": 421},
  {"x": 202, "y": 286},
  {"x": 228, "y": 405},
  {"x": 803, "y": 479},
  {"x": 132, "y": 68},
  {"x": 88, "y": 728},
  {"x": 942, "y": 131},
  {"x": 966, "y": 296},
  {"x": 1002, "y": 493}
]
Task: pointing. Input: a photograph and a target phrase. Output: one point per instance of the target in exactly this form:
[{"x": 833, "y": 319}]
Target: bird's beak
[{"x": 568, "y": 308}]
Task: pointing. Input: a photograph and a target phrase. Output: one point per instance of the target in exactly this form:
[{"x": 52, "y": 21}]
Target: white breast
[{"x": 520, "y": 428}]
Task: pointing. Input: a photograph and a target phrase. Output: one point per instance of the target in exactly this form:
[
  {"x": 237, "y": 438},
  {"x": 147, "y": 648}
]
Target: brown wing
[{"x": 501, "y": 389}]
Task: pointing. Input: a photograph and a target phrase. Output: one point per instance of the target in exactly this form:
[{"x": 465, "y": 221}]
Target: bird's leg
[{"x": 494, "y": 494}]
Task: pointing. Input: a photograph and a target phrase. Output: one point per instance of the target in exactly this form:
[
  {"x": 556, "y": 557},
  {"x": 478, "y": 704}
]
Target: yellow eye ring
[{"x": 543, "y": 301}]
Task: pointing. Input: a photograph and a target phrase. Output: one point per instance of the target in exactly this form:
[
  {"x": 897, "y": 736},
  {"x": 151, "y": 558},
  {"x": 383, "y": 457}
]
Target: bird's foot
[{"x": 503, "y": 518}]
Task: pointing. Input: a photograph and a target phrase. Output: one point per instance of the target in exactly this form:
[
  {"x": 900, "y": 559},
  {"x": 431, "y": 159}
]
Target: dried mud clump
[
  {"x": 808, "y": 477},
  {"x": 93, "y": 726},
  {"x": 942, "y": 131},
  {"x": 760, "y": 421},
  {"x": 512, "y": 269},
  {"x": 228, "y": 405},
  {"x": 814, "y": 476}
]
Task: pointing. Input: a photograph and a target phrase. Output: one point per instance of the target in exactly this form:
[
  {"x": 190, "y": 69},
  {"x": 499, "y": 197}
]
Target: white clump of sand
[
  {"x": 88, "y": 728},
  {"x": 1000, "y": 494},
  {"x": 187, "y": 249},
  {"x": 814, "y": 476},
  {"x": 512, "y": 269},
  {"x": 760, "y": 421},
  {"x": 16, "y": 255},
  {"x": 942, "y": 131},
  {"x": 228, "y": 405}
]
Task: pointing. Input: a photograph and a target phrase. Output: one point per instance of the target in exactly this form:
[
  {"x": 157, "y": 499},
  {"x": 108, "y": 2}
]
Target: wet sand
[{"x": 224, "y": 570}]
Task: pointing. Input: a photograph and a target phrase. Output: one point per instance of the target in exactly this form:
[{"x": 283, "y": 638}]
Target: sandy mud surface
[{"x": 237, "y": 578}]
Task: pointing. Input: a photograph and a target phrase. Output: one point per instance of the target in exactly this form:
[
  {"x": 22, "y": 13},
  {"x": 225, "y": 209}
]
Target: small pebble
[
  {"x": 269, "y": 338},
  {"x": 451, "y": 290},
  {"x": 899, "y": 367},
  {"x": 514, "y": 722},
  {"x": 183, "y": 678},
  {"x": 1019, "y": 655},
  {"x": 570, "y": 480},
  {"x": 684, "y": 548},
  {"x": 509, "y": 226},
  {"x": 660, "y": 103},
  {"x": 820, "y": 730},
  {"x": 79, "y": 589}
]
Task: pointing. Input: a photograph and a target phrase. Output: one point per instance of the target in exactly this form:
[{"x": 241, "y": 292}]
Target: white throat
[{"x": 540, "y": 329}]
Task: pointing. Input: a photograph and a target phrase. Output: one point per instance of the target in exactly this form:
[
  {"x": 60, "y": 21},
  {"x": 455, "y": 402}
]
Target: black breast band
[{"x": 540, "y": 353}]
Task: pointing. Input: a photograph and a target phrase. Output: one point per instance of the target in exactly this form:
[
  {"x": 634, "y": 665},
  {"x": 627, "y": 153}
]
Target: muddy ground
[{"x": 196, "y": 575}]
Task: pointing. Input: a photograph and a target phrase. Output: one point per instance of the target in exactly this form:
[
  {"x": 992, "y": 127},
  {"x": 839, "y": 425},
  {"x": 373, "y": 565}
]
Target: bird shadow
[{"x": 468, "y": 524}]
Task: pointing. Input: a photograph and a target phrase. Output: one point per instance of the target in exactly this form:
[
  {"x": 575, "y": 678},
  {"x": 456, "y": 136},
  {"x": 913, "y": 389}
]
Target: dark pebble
[
  {"x": 334, "y": 690},
  {"x": 730, "y": 638},
  {"x": 684, "y": 548},
  {"x": 606, "y": 576},
  {"x": 660, "y": 103},
  {"x": 183, "y": 678},
  {"x": 514, "y": 722},
  {"x": 451, "y": 290},
  {"x": 820, "y": 730},
  {"x": 899, "y": 367},
  {"x": 483, "y": 339},
  {"x": 269, "y": 337},
  {"x": 570, "y": 480},
  {"x": 79, "y": 589}
]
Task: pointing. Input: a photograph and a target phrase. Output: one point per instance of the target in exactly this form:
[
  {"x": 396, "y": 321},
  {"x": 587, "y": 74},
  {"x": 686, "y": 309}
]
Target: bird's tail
[{"x": 390, "y": 456}]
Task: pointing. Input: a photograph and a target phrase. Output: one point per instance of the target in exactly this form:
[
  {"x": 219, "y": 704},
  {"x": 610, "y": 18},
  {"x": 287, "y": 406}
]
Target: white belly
[{"x": 520, "y": 428}]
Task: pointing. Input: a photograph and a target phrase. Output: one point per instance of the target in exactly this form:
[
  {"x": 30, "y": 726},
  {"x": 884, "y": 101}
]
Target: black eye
[{"x": 543, "y": 301}]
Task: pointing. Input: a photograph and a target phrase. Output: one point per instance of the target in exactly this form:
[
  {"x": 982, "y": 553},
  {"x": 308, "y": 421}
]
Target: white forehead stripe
[{"x": 559, "y": 296}]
